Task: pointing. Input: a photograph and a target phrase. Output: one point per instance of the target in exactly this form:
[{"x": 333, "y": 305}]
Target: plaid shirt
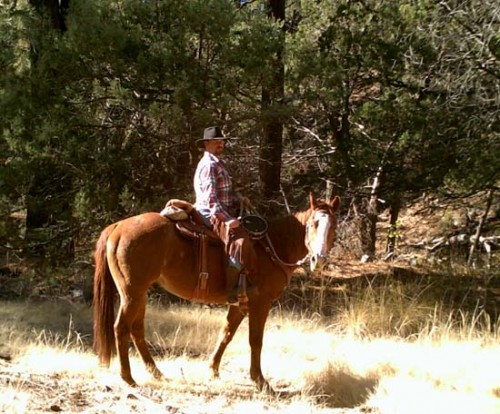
[{"x": 213, "y": 187}]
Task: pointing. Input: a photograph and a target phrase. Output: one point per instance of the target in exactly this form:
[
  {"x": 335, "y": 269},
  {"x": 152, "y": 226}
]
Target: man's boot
[
  {"x": 232, "y": 280},
  {"x": 242, "y": 293}
]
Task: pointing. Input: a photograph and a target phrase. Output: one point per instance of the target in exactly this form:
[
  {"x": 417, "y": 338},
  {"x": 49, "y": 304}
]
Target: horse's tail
[{"x": 103, "y": 303}]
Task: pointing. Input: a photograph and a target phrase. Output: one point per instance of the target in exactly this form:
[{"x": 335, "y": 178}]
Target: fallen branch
[{"x": 489, "y": 243}]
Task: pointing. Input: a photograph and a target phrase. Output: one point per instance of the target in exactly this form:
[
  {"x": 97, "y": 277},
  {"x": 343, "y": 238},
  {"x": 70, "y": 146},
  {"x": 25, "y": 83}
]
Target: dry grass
[{"x": 383, "y": 353}]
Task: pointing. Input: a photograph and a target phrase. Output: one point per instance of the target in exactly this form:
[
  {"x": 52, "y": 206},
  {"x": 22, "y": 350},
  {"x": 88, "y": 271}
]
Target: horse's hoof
[
  {"x": 215, "y": 372},
  {"x": 264, "y": 387},
  {"x": 267, "y": 389},
  {"x": 157, "y": 374},
  {"x": 130, "y": 381}
]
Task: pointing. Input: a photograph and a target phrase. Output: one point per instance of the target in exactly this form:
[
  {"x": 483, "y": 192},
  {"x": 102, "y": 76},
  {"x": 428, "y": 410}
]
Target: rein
[
  {"x": 269, "y": 248},
  {"x": 275, "y": 255}
]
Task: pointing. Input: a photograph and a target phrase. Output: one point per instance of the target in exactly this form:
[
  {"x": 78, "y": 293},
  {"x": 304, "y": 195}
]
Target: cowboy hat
[{"x": 213, "y": 132}]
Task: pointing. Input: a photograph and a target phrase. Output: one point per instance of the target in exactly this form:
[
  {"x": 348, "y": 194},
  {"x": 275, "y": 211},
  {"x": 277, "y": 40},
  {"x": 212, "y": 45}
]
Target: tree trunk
[
  {"x": 49, "y": 220},
  {"x": 271, "y": 144},
  {"x": 372, "y": 214},
  {"x": 392, "y": 236},
  {"x": 372, "y": 209},
  {"x": 57, "y": 10},
  {"x": 480, "y": 227},
  {"x": 49, "y": 200}
]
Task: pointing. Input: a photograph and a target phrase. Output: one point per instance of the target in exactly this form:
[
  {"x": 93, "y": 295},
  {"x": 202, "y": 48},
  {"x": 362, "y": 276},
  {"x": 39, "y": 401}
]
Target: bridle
[
  {"x": 320, "y": 214},
  {"x": 274, "y": 255}
]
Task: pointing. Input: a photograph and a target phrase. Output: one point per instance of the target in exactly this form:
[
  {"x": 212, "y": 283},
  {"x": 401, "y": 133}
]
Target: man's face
[{"x": 215, "y": 146}]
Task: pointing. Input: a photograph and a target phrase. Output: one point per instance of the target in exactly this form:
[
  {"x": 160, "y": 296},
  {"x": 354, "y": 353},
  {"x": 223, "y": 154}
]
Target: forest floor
[
  {"x": 416, "y": 334},
  {"x": 316, "y": 364}
]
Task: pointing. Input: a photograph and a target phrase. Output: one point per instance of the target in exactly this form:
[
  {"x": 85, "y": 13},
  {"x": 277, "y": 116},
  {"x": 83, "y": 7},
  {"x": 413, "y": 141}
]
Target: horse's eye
[{"x": 313, "y": 223}]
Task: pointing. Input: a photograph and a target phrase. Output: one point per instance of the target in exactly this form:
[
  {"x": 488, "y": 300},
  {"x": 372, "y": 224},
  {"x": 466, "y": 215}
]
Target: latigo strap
[{"x": 201, "y": 291}]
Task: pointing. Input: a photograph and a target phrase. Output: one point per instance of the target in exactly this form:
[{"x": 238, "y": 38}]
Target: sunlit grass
[
  {"x": 387, "y": 351},
  {"x": 376, "y": 372}
]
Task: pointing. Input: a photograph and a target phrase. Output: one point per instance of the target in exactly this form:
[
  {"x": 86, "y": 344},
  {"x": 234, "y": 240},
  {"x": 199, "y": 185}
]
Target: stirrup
[
  {"x": 239, "y": 295},
  {"x": 243, "y": 303},
  {"x": 242, "y": 293}
]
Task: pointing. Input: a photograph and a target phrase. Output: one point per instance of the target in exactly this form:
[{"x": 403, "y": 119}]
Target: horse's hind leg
[
  {"x": 130, "y": 324},
  {"x": 137, "y": 334},
  {"x": 122, "y": 328},
  {"x": 233, "y": 320}
]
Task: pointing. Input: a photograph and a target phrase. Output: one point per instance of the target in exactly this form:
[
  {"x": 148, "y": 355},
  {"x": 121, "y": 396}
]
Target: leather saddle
[
  {"x": 191, "y": 230},
  {"x": 189, "y": 223}
]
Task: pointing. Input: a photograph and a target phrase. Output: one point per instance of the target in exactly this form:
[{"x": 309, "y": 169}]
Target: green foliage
[{"x": 100, "y": 121}]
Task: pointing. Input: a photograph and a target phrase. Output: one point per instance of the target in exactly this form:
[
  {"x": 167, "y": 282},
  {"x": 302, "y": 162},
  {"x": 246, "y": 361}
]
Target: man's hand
[
  {"x": 234, "y": 223},
  {"x": 246, "y": 202}
]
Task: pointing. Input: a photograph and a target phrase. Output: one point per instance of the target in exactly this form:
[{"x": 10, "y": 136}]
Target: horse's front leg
[
  {"x": 233, "y": 320},
  {"x": 257, "y": 315}
]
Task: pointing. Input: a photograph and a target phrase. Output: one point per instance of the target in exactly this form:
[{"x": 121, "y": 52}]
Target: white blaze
[{"x": 319, "y": 244}]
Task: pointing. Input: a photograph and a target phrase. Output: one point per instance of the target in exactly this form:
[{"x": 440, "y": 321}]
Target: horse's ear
[
  {"x": 335, "y": 203},
  {"x": 312, "y": 201}
]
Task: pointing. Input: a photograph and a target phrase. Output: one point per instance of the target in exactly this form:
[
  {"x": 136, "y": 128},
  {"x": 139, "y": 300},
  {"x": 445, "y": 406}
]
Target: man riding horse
[
  {"x": 134, "y": 253},
  {"x": 219, "y": 204}
]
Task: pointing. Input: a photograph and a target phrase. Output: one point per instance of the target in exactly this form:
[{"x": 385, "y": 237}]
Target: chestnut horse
[{"x": 136, "y": 252}]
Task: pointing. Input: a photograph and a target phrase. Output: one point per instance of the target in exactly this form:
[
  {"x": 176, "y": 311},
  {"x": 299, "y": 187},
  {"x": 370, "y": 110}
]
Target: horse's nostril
[
  {"x": 314, "y": 262},
  {"x": 317, "y": 262}
]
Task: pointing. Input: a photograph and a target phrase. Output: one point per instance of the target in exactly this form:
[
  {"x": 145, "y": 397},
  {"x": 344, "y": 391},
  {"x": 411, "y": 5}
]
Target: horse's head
[{"x": 321, "y": 230}]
